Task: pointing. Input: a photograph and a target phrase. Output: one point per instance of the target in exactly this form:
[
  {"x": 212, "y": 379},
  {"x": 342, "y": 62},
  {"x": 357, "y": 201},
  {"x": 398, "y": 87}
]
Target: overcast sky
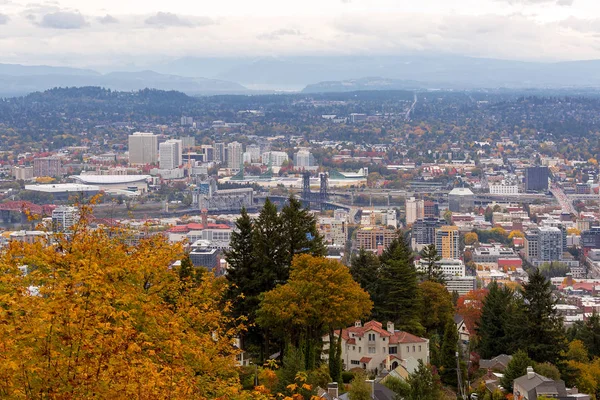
[{"x": 120, "y": 32}]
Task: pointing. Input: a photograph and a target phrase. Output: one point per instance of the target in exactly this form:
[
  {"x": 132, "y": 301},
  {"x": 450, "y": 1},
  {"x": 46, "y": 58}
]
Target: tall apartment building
[
  {"x": 219, "y": 153},
  {"x": 143, "y": 148},
  {"x": 544, "y": 244},
  {"x": 373, "y": 237},
  {"x": 276, "y": 158},
  {"x": 47, "y": 166},
  {"x": 423, "y": 232},
  {"x": 234, "y": 155},
  {"x": 64, "y": 217},
  {"x": 536, "y": 178},
  {"x": 188, "y": 142},
  {"x": 430, "y": 209},
  {"x": 415, "y": 209},
  {"x": 254, "y": 151},
  {"x": 21, "y": 173},
  {"x": 303, "y": 159},
  {"x": 447, "y": 242},
  {"x": 170, "y": 154}
]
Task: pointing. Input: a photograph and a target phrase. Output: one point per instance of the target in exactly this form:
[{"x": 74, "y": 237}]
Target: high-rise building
[
  {"x": 209, "y": 153},
  {"x": 414, "y": 210},
  {"x": 219, "y": 154},
  {"x": 21, "y": 173},
  {"x": 188, "y": 142},
  {"x": 447, "y": 242},
  {"x": 64, "y": 217},
  {"x": 170, "y": 154},
  {"x": 544, "y": 244},
  {"x": 304, "y": 159},
  {"x": 373, "y": 238},
  {"x": 423, "y": 231},
  {"x": 187, "y": 121},
  {"x": 276, "y": 158},
  {"x": 254, "y": 151},
  {"x": 47, "y": 166},
  {"x": 234, "y": 155},
  {"x": 461, "y": 200},
  {"x": 430, "y": 209},
  {"x": 143, "y": 148},
  {"x": 536, "y": 178}
]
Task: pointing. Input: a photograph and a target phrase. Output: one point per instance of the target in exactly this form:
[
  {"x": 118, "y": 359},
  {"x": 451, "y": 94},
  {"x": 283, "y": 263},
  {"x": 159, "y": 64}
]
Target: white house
[{"x": 371, "y": 347}]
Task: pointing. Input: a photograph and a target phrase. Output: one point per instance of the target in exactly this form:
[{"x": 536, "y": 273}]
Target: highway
[
  {"x": 412, "y": 107},
  {"x": 565, "y": 203}
]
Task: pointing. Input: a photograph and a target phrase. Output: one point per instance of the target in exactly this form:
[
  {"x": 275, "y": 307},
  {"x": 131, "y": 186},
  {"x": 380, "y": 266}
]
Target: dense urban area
[{"x": 365, "y": 245}]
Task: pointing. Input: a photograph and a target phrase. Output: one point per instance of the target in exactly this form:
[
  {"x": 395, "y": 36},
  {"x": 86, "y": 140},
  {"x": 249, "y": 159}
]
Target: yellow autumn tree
[
  {"x": 88, "y": 316},
  {"x": 516, "y": 234},
  {"x": 471, "y": 238}
]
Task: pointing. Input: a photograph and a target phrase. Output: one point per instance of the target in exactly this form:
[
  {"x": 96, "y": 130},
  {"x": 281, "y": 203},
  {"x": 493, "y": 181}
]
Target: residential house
[
  {"x": 373, "y": 348},
  {"x": 532, "y": 385},
  {"x": 498, "y": 363}
]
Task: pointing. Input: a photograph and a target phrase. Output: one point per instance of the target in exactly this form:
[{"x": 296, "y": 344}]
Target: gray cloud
[
  {"x": 164, "y": 19},
  {"x": 278, "y": 34},
  {"x": 63, "y": 20},
  {"x": 108, "y": 19},
  {"x": 4, "y": 19}
]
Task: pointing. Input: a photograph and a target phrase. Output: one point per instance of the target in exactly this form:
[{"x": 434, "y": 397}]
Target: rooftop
[{"x": 62, "y": 187}]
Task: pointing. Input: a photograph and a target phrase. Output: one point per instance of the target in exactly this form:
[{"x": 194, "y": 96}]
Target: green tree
[
  {"x": 548, "y": 370},
  {"x": 360, "y": 389},
  {"x": 545, "y": 336},
  {"x": 188, "y": 272},
  {"x": 398, "y": 281},
  {"x": 299, "y": 227},
  {"x": 501, "y": 324},
  {"x": 423, "y": 384},
  {"x": 398, "y": 386},
  {"x": 448, "y": 359},
  {"x": 436, "y": 307},
  {"x": 293, "y": 362},
  {"x": 516, "y": 368},
  {"x": 431, "y": 257},
  {"x": 588, "y": 333},
  {"x": 364, "y": 268}
]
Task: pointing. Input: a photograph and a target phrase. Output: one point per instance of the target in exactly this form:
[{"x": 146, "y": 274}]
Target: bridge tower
[
  {"x": 306, "y": 186},
  {"x": 323, "y": 191}
]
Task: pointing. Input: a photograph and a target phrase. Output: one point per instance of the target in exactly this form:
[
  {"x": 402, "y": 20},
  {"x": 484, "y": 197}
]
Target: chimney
[
  {"x": 204, "y": 218},
  {"x": 332, "y": 390},
  {"x": 372, "y": 383},
  {"x": 390, "y": 327},
  {"x": 357, "y": 324},
  {"x": 530, "y": 373}
]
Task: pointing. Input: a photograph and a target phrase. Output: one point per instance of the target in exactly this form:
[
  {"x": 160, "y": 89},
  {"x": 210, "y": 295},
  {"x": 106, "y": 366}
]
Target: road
[
  {"x": 565, "y": 203},
  {"x": 412, "y": 107}
]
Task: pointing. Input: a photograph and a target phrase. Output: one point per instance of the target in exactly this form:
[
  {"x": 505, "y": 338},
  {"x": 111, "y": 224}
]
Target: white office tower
[
  {"x": 276, "y": 158},
  {"x": 254, "y": 151},
  {"x": 415, "y": 209},
  {"x": 143, "y": 148},
  {"x": 234, "y": 155},
  {"x": 304, "y": 159},
  {"x": 170, "y": 154},
  {"x": 63, "y": 218}
]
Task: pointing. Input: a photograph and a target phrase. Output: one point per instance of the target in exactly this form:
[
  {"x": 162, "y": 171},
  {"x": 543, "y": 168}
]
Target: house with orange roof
[{"x": 373, "y": 348}]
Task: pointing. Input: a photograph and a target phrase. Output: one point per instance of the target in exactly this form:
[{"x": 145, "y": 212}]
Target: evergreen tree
[
  {"x": 293, "y": 362},
  {"x": 364, "y": 268},
  {"x": 423, "y": 384},
  {"x": 270, "y": 250},
  {"x": 399, "y": 301},
  {"x": 545, "y": 336},
  {"x": 188, "y": 272},
  {"x": 448, "y": 360},
  {"x": 431, "y": 257},
  {"x": 516, "y": 368},
  {"x": 588, "y": 332},
  {"x": 500, "y": 328},
  {"x": 300, "y": 231}
]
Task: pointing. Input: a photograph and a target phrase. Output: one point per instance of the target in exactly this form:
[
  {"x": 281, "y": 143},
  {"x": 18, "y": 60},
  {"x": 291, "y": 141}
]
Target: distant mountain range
[
  {"x": 243, "y": 75},
  {"x": 435, "y": 71},
  {"x": 17, "y": 80}
]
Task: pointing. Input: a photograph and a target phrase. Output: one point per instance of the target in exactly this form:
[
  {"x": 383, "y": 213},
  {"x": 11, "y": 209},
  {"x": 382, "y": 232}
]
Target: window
[
  {"x": 354, "y": 347},
  {"x": 371, "y": 337},
  {"x": 419, "y": 347},
  {"x": 355, "y": 362},
  {"x": 384, "y": 350},
  {"x": 383, "y": 339},
  {"x": 371, "y": 349},
  {"x": 408, "y": 349},
  {"x": 414, "y": 349},
  {"x": 360, "y": 349},
  {"x": 393, "y": 350}
]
